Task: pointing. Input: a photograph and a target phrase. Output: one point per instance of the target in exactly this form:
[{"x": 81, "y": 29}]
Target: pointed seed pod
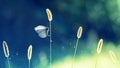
[
  {"x": 49, "y": 14},
  {"x": 29, "y": 52},
  {"x": 5, "y": 49},
  {"x": 100, "y": 44},
  {"x": 79, "y": 33}
]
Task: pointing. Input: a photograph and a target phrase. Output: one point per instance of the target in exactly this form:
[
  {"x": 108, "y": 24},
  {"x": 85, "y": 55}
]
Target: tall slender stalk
[
  {"x": 29, "y": 63},
  {"x": 75, "y": 52},
  {"x": 8, "y": 62},
  {"x": 96, "y": 61},
  {"x": 75, "y": 48},
  {"x": 50, "y": 46},
  {"x": 49, "y": 14},
  {"x": 99, "y": 49},
  {"x": 79, "y": 34}
]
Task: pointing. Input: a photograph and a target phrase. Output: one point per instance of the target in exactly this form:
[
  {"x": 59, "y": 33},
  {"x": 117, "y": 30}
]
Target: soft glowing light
[{"x": 88, "y": 61}]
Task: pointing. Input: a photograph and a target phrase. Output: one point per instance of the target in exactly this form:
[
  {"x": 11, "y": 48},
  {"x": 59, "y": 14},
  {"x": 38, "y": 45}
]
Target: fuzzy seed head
[
  {"x": 29, "y": 52},
  {"x": 100, "y": 44},
  {"x": 49, "y": 14},
  {"x": 5, "y": 49},
  {"x": 79, "y": 33}
]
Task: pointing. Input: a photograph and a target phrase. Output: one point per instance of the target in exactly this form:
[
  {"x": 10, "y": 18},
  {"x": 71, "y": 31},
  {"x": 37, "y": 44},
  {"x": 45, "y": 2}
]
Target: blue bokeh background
[{"x": 19, "y": 17}]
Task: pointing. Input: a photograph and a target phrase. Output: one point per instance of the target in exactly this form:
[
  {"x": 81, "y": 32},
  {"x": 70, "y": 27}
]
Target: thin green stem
[
  {"x": 96, "y": 61},
  {"x": 75, "y": 52},
  {"x": 50, "y": 45},
  {"x": 8, "y": 62},
  {"x": 29, "y": 64}
]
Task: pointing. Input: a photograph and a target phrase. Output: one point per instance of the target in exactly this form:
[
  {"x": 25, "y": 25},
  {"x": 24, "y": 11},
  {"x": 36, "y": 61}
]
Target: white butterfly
[{"x": 42, "y": 31}]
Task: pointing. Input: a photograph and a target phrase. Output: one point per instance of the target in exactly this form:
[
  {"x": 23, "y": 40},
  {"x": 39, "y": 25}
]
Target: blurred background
[{"x": 99, "y": 19}]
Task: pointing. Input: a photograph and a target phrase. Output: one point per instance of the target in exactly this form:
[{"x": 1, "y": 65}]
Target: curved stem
[{"x": 75, "y": 52}]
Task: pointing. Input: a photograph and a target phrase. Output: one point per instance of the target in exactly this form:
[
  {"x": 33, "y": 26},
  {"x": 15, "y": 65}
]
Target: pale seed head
[
  {"x": 5, "y": 49},
  {"x": 100, "y": 44},
  {"x": 79, "y": 33},
  {"x": 29, "y": 52},
  {"x": 113, "y": 56},
  {"x": 49, "y": 14}
]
